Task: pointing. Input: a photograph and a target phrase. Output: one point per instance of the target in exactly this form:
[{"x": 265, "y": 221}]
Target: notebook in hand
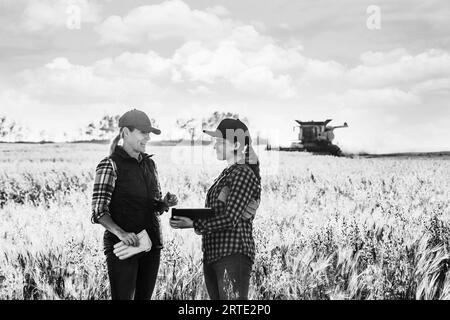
[{"x": 195, "y": 213}]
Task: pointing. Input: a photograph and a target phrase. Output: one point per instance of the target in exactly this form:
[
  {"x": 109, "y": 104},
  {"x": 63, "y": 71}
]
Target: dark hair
[
  {"x": 253, "y": 166},
  {"x": 247, "y": 160}
]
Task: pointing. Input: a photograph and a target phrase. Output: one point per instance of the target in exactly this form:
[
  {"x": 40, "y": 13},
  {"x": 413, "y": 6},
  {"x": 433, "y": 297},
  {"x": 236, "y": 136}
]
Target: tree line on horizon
[{"x": 106, "y": 127}]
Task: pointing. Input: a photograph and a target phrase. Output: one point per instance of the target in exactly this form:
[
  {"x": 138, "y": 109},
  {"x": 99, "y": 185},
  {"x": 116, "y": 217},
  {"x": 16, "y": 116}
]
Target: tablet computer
[{"x": 192, "y": 213}]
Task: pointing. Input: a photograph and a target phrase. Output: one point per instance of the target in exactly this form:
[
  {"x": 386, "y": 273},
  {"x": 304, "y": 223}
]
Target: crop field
[{"x": 327, "y": 228}]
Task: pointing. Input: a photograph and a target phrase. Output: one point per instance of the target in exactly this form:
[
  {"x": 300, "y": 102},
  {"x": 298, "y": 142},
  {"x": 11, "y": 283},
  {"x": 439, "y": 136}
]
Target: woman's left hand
[{"x": 181, "y": 222}]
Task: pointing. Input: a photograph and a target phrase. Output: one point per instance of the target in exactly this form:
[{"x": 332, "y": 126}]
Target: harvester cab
[{"x": 316, "y": 137}]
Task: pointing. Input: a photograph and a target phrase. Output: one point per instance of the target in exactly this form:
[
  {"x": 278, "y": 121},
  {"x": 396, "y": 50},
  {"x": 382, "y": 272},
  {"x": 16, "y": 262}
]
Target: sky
[{"x": 381, "y": 66}]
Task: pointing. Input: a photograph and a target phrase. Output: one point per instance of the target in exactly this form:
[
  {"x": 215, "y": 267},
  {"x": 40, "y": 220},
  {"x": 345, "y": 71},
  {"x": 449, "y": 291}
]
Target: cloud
[
  {"x": 31, "y": 113},
  {"x": 218, "y": 10},
  {"x": 43, "y": 15},
  {"x": 199, "y": 63},
  {"x": 261, "y": 80},
  {"x": 388, "y": 97},
  {"x": 135, "y": 65},
  {"x": 174, "y": 19},
  {"x": 200, "y": 69},
  {"x": 381, "y": 119},
  {"x": 200, "y": 90},
  {"x": 285, "y": 26},
  {"x": 398, "y": 67},
  {"x": 215, "y": 49},
  {"x": 146, "y": 74},
  {"x": 433, "y": 86},
  {"x": 372, "y": 59},
  {"x": 169, "y": 19},
  {"x": 256, "y": 72},
  {"x": 60, "y": 81}
]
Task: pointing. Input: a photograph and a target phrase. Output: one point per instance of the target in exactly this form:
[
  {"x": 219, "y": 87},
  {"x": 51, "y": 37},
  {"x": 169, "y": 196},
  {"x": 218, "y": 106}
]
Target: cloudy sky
[{"x": 385, "y": 69}]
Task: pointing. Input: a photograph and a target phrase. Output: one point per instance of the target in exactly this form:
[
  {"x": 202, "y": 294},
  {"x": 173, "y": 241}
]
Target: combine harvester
[{"x": 315, "y": 137}]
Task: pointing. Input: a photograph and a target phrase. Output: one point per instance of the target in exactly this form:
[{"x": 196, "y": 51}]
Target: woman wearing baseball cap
[
  {"x": 227, "y": 239},
  {"x": 126, "y": 201}
]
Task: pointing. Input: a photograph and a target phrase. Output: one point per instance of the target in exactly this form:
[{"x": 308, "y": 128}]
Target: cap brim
[
  {"x": 156, "y": 131},
  {"x": 150, "y": 129},
  {"x": 216, "y": 133}
]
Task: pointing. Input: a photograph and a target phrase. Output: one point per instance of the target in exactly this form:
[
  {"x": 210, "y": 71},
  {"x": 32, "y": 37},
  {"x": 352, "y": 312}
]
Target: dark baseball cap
[
  {"x": 139, "y": 120},
  {"x": 229, "y": 129}
]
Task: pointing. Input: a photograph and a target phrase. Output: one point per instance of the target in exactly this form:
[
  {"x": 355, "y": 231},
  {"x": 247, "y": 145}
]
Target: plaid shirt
[
  {"x": 227, "y": 231},
  {"x": 104, "y": 183}
]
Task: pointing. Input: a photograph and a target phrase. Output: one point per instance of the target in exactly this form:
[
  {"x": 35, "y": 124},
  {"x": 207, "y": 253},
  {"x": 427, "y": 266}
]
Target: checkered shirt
[{"x": 226, "y": 232}]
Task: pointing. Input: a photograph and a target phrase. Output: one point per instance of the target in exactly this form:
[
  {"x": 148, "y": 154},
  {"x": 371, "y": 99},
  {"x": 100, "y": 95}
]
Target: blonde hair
[{"x": 115, "y": 141}]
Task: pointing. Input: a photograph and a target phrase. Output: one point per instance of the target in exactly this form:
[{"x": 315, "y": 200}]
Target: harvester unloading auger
[{"x": 316, "y": 137}]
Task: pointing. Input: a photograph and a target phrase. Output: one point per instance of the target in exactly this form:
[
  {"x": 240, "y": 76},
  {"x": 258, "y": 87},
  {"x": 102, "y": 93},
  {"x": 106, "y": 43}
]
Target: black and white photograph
[{"x": 204, "y": 150}]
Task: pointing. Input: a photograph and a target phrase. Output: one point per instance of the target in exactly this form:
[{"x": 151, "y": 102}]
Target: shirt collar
[{"x": 120, "y": 151}]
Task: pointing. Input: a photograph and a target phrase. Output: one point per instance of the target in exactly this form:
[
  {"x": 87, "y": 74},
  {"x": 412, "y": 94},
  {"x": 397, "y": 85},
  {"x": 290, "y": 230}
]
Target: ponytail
[
  {"x": 115, "y": 142},
  {"x": 251, "y": 159}
]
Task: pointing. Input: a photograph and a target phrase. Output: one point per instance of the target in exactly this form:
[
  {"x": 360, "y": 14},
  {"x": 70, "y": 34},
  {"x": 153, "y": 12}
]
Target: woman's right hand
[
  {"x": 170, "y": 199},
  {"x": 129, "y": 238}
]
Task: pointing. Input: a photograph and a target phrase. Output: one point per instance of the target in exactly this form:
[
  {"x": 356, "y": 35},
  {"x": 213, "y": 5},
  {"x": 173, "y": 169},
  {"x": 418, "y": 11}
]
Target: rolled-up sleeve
[{"x": 104, "y": 182}]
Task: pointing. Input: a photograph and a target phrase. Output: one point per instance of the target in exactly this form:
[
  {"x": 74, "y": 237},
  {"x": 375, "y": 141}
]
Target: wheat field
[{"x": 327, "y": 228}]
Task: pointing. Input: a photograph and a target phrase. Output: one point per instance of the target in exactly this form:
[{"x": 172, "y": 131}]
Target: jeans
[
  {"x": 228, "y": 278},
  {"x": 135, "y": 277}
]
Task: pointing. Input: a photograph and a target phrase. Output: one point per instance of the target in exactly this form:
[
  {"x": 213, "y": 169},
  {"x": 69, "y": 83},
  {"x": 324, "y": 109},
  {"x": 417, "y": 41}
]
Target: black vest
[{"x": 132, "y": 205}]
